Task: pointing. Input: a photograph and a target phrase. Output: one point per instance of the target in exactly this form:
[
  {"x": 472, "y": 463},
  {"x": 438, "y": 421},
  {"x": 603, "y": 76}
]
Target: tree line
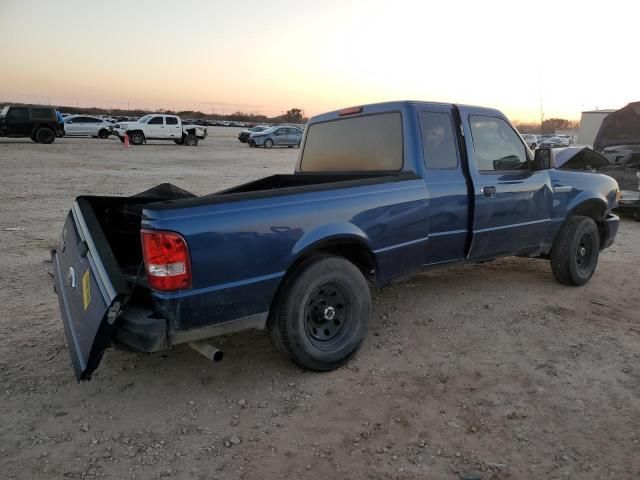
[{"x": 550, "y": 125}]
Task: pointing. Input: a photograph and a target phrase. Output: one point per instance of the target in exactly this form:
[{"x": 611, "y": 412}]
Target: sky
[{"x": 268, "y": 56}]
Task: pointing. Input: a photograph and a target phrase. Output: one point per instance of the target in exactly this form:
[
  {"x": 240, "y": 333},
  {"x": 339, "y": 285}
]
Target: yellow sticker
[{"x": 86, "y": 290}]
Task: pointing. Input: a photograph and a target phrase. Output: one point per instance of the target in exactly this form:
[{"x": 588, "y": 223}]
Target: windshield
[
  {"x": 145, "y": 119},
  {"x": 258, "y": 129}
]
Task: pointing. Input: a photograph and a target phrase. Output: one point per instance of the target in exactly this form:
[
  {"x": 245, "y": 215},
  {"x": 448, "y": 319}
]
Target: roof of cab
[{"x": 399, "y": 105}]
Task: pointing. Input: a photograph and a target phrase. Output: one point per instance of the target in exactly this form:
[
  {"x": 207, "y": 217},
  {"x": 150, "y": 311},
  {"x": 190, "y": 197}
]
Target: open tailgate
[{"x": 90, "y": 288}]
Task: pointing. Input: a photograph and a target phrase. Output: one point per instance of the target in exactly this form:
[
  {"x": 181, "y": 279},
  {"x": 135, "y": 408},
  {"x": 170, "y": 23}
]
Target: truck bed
[{"x": 119, "y": 218}]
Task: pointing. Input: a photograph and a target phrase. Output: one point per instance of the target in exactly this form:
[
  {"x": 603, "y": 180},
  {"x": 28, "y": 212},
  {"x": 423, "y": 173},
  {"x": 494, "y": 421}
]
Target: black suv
[{"x": 36, "y": 122}]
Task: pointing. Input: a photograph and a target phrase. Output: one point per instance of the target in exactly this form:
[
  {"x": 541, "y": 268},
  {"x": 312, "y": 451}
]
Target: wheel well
[
  {"x": 594, "y": 209},
  {"x": 353, "y": 250},
  {"x": 40, "y": 126}
]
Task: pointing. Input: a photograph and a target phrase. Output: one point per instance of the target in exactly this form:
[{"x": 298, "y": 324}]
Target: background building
[{"x": 590, "y": 122}]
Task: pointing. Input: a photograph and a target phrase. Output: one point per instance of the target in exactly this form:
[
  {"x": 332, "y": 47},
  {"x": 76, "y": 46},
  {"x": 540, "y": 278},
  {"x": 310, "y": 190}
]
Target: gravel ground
[{"x": 489, "y": 371}]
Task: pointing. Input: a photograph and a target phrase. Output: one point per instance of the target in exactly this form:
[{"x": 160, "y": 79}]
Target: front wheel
[
  {"x": 191, "y": 140},
  {"x": 136, "y": 138},
  {"x": 103, "y": 133},
  {"x": 575, "y": 251},
  {"x": 268, "y": 143},
  {"x": 322, "y": 313}
]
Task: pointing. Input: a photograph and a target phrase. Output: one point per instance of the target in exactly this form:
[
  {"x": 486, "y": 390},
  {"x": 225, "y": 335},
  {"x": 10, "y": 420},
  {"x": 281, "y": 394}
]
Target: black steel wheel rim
[
  {"x": 46, "y": 135},
  {"x": 585, "y": 253},
  {"x": 326, "y": 314}
]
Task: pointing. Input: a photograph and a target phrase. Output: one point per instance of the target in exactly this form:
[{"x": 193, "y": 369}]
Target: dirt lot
[{"x": 494, "y": 370}]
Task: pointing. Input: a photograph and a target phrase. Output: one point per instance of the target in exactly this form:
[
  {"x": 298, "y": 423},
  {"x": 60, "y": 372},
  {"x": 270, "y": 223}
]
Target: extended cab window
[
  {"x": 156, "y": 121},
  {"x": 358, "y": 144},
  {"x": 172, "y": 121},
  {"x": 496, "y": 145},
  {"x": 438, "y": 140}
]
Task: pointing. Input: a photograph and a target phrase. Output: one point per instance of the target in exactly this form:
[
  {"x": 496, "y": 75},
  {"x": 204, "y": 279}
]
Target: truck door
[
  {"x": 512, "y": 204},
  {"x": 156, "y": 128},
  {"x": 446, "y": 184},
  {"x": 173, "y": 127}
]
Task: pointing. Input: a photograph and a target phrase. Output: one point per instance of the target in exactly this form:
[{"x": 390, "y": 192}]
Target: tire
[
  {"x": 103, "y": 133},
  {"x": 268, "y": 143},
  {"x": 136, "y": 138},
  {"x": 191, "y": 140},
  {"x": 575, "y": 251},
  {"x": 321, "y": 315},
  {"x": 45, "y": 135}
]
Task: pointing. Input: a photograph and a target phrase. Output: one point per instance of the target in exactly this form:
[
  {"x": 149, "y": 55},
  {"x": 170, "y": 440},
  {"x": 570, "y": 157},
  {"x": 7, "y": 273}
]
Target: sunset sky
[{"x": 268, "y": 56}]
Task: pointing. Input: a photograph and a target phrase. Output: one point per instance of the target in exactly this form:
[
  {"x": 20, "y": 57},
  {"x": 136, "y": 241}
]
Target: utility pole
[{"x": 541, "y": 112}]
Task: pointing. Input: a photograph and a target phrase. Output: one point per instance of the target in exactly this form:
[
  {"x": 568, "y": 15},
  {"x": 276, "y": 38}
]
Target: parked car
[
  {"x": 243, "y": 136},
  {"x": 84, "y": 125},
  {"x": 39, "y": 123},
  {"x": 554, "y": 142},
  {"x": 530, "y": 140},
  {"x": 160, "y": 127},
  {"x": 276, "y": 136},
  {"x": 295, "y": 253}
]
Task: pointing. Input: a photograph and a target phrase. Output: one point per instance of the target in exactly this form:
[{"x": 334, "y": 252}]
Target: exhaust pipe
[{"x": 212, "y": 353}]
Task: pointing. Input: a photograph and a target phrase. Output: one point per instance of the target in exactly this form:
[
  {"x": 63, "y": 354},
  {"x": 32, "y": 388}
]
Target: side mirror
[{"x": 543, "y": 159}]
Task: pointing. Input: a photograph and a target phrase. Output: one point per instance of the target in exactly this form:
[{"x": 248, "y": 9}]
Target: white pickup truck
[{"x": 160, "y": 127}]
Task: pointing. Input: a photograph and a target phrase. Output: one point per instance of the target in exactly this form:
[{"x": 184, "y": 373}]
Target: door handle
[{"x": 488, "y": 191}]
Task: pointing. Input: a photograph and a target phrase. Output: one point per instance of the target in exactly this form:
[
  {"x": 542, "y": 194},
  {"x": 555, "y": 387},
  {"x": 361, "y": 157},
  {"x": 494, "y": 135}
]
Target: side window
[
  {"x": 172, "y": 121},
  {"x": 496, "y": 145},
  {"x": 93, "y": 120},
  {"x": 156, "y": 121},
  {"x": 41, "y": 113},
  {"x": 79, "y": 120},
  {"x": 438, "y": 140},
  {"x": 19, "y": 114}
]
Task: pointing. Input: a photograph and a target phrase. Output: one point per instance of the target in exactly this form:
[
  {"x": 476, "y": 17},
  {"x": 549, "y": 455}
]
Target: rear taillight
[{"x": 166, "y": 258}]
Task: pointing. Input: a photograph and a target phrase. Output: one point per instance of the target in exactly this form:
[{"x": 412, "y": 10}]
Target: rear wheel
[
  {"x": 321, "y": 316},
  {"x": 268, "y": 143},
  {"x": 575, "y": 251},
  {"x": 45, "y": 135},
  {"x": 136, "y": 138}
]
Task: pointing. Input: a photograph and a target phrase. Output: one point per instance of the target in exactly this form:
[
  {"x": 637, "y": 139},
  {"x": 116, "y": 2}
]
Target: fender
[
  {"x": 328, "y": 232},
  {"x": 587, "y": 199}
]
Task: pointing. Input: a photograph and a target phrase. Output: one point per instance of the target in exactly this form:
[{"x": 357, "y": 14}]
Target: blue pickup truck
[{"x": 378, "y": 192}]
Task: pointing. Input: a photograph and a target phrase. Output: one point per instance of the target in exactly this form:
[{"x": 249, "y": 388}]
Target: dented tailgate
[{"x": 90, "y": 288}]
